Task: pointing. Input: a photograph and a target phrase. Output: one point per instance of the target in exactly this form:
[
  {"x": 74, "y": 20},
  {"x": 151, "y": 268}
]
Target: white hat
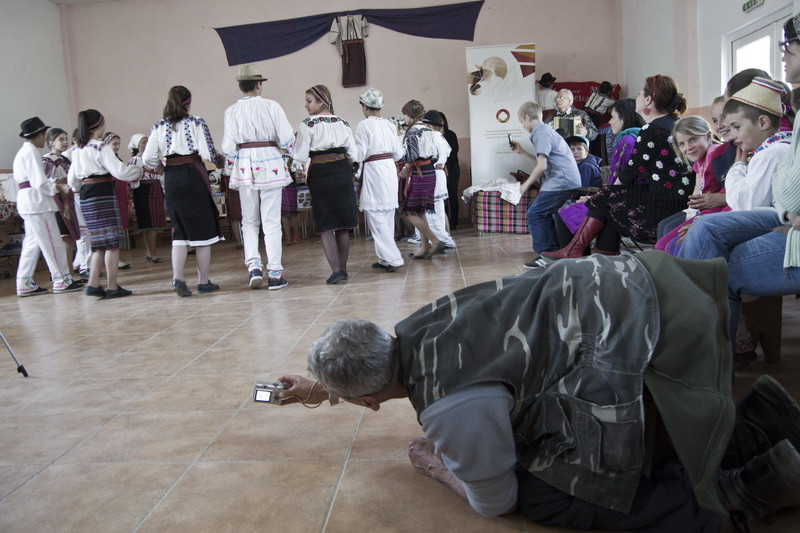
[
  {"x": 135, "y": 140},
  {"x": 372, "y": 98}
]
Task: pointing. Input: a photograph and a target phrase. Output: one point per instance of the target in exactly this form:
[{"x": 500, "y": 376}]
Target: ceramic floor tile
[
  {"x": 192, "y": 393},
  {"x": 93, "y": 396},
  {"x": 43, "y": 439},
  {"x": 251, "y": 496},
  {"x": 87, "y": 498},
  {"x": 14, "y": 476},
  {"x": 386, "y": 433}
]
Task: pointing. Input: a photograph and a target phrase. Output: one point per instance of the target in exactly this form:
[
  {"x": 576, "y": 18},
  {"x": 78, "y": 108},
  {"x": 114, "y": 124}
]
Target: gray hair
[
  {"x": 530, "y": 109},
  {"x": 354, "y": 358},
  {"x": 568, "y": 93}
]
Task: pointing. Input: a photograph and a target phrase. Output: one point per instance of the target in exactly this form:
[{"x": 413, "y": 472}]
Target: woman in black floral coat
[{"x": 655, "y": 183}]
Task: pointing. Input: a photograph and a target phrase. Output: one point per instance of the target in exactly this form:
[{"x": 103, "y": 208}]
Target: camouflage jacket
[{"x": 572, "y": 342}]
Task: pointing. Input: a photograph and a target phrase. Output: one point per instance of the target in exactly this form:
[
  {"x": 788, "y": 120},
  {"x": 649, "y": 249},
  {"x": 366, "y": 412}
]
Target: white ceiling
[{"x": 83, "y": 1}]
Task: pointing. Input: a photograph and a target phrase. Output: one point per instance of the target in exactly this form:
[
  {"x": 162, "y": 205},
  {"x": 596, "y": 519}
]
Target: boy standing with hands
[
  {"x": 37, "y": 208},
  {"x": 555, "y": 169}
]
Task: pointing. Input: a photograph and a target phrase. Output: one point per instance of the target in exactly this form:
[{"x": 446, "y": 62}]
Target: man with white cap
[
  {"x": 256, "y": 134},
  {"x": 378, "y": 147}
]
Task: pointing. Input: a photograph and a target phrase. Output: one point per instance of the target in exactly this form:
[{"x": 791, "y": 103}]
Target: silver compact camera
[{"x": 267, "y": 392}]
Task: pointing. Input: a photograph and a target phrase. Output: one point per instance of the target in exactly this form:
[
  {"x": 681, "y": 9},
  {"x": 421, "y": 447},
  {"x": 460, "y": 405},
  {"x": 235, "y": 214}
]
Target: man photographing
[{"x": 583, "y": 394}]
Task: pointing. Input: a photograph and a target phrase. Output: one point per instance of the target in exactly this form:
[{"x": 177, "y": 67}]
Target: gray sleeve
[{"x": 471, "y": 429}]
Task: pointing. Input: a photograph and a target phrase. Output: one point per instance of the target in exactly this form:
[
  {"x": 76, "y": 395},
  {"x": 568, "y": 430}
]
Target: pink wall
[{"x": 121, "y": 57}]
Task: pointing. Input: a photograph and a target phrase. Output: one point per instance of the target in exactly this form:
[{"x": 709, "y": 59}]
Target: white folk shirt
[
  {"x": 38, "y": 198},
  {"x": 750, "y": 186},
  {"x": 98, "y": 158},
  {"x": 256, "y": 119},
  {"x": 189, "y": 136},
  {"x": 322, "y": 132},
  {"x": 440, "y": 190},
  {"x": 373, "y": 136}
]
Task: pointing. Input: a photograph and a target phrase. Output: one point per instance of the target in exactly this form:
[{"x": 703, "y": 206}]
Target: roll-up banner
[{"x": 500, "y": 78}]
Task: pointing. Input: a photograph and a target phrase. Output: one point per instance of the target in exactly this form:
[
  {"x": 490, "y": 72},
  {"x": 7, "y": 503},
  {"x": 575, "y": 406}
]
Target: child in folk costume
[
  {"x": 326, "y": 143},
  {"x": 37, "y": 208},
  {"x": 94, "y": 167},
  {"x": 56, "y": 166},
  {"x": 185, "y": 141},
  {"x": 83, "y": 246},
  {"x": 378, "y": 149},
  {"x": 148, "y": 201},
  {"x": 122, "y": 190},
  {"x": 421, "y": 151},
  {"x": 438, "y": 219}
]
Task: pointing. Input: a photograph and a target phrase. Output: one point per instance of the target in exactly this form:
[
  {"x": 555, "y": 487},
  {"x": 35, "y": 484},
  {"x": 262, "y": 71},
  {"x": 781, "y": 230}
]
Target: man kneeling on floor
[{"x": 571, "y": 408}]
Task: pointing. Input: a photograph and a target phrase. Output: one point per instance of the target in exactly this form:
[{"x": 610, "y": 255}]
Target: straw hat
[
  {"x": 763, "y": 94},
  {"x": 249, "y": 72},
  {"x": 372, "y": 98}
]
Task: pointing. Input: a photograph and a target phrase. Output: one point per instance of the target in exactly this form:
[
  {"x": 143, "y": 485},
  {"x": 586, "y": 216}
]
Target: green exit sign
[{"x": 751, "y": 5}]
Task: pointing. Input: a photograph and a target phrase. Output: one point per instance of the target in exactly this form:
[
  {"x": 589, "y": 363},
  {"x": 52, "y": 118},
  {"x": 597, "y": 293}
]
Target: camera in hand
[{"x": 267, "y": 392}]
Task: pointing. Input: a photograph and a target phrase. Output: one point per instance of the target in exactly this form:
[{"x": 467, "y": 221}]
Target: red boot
[{"x": 589, "y": 229}]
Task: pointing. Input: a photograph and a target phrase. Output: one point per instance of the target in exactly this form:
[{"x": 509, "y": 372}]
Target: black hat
[
  {"x": 433, "y": 117},
  {"x": 547, "y": 79},
  {"x": 31, "y": 127}
]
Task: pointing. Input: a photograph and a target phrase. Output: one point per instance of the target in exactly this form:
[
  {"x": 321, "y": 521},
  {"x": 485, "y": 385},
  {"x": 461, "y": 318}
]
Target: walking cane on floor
[{"x": 20, "y": 368}]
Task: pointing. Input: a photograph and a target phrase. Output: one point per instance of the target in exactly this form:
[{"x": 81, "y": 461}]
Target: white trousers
[
  {"x": 83, "y": 246},
  {"x": 262, "y": 208},
  {"x": 381, "y": 226},
  {"x": 42, "y": 235},
  {"x": 438, "y": 223}
]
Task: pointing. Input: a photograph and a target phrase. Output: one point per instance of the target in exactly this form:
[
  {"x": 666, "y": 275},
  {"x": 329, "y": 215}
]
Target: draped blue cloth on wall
[{"x": 264, "y": 40}]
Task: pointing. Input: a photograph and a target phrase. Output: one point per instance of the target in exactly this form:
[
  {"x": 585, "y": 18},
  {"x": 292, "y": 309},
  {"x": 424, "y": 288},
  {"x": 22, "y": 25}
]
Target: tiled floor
[{"x": 138, "y": 415}]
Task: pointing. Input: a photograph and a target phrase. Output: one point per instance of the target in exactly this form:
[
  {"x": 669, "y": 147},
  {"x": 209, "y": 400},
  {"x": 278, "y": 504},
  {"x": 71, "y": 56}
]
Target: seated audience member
[
  {"x": 588, "y": 164},
  {"x": 654, "y": 182},
  {"x": 564, "y": 109},
  {"x": 547, "y": 411},
  {"x": 545, "y": 95},
  {"x": 754, "y": 116},
  {"x": 555, "y": 169},
  {"x": 761, "y": 260},
  {"x": 625, "y": 124},
  {"x": 599, "y": 102},
  {"x": 692, "y": 141}
]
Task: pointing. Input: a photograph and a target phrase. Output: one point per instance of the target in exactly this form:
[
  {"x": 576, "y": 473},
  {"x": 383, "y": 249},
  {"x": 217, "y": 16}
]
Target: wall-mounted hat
[
  {"x": 763, "y": 94},
  {"x": 249, "y": 72},
  {"x": 433, "y": 117},
  {"x": 547, "y": 79},
  {"x": 31, "y": 127},
  {"x": 574, "y": 139},
  {"x": 372, "y": 98}
]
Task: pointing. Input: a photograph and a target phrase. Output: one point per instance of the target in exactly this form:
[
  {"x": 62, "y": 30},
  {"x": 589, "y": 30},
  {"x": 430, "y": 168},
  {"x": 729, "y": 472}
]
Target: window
[{"x": 756, "y": 45}]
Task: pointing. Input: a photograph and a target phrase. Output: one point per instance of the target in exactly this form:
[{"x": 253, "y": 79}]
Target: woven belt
[
  {"x": 378, "y": 157},
  {"x": 100, "y": 178},
  {"x": 418, "y": 164},
  {"x": 175, "y": 161},
  {"x": 149, "y": 181},
  {"x": 326, "y": 158},
  {"x": 25, "y": 185},
  {"x": 258, "y": 144}
]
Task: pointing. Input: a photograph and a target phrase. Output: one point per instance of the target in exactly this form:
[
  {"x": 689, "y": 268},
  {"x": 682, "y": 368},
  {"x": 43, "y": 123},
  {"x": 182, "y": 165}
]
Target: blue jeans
[
  {"x": 540, "y": 219},
  {"x": 753, "y": 250}
]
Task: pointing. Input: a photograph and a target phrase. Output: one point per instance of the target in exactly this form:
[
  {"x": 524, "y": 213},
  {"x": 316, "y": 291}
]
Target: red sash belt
[
  {"x": 326, "y": 158},
  {"x": 183, "y": 160},
  {"x": 378, "y": 157},
  {"x": 97, "y": 178},
  {"x": 25, "y": 185},
  {"x": 258, "y": 144}
]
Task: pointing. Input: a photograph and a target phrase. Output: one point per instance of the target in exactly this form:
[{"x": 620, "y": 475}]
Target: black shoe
[
  {"x": 256, "y": 278},
  {"x": 274, "y": 284},
  {"x": 439, "y": 248},
  {"x": 765, "y": 484},
  {"x": 72, "y": 287},
  {"x": 125, "y": 266},
  {"x": 119, "y": 292},
  {"x": 379, "y": 265},
  {"x": 207, "y": 287},
  {"x": 95, "y": 291},
  {"x": 770, "y": 407},
  {"x": 35, "y": 292},
  {"x": 180, "y": 288},
  {"x": 536, "y": 263},
  {"x": 336, "y": 277}
]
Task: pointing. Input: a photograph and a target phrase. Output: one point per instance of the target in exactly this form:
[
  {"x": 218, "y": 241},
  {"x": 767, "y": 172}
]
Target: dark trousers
[{"x": 664, "y": 502}]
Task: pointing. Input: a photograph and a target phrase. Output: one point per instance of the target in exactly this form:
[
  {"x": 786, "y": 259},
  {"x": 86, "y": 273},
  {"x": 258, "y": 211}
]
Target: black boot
[
  {"x": 769, "y": 406},
  {"x": 768, "y": 482}
]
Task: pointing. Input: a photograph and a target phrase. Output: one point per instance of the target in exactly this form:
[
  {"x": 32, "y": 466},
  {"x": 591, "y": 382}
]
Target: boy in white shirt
[{"x": 37, "y": 208}]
